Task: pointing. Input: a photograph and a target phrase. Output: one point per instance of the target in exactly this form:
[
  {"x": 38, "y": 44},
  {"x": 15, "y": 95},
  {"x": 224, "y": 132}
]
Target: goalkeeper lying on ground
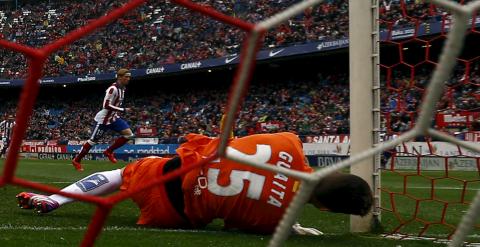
[{"x": 245, "y": 197}]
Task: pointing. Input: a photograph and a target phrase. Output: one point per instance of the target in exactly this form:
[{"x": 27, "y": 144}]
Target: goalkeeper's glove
[{"x": 300, "y": 230}]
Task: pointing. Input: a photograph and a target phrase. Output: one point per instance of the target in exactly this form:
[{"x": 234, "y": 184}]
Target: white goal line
[
  {"x": 435, "y": 240},
  {"x": 107, "y": 228}
]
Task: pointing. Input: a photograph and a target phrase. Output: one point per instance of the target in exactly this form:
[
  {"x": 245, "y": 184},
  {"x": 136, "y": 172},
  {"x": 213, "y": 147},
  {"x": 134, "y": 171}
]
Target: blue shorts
[{"x": 100, "y": 129}]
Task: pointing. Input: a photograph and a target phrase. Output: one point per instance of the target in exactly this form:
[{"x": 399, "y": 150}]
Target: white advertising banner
[
  {"x": 405, "y": 149},
  {"x": 433, "y": 163},
  {"x": 146, "y": 140},
  {"x": 436, "y": 148},
  {"x": 326, "y": 148}
]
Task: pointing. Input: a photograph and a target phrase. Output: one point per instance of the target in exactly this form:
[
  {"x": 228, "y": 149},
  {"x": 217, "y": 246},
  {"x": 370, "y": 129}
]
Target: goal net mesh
[
  {"x": 457, "y": 20},
  {"x": 427, "y": 194},
  {"x": 425, "y": 189}
]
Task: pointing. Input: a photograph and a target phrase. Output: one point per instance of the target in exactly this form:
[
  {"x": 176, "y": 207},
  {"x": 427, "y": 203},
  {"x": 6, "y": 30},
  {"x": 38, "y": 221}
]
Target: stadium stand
[
  {"x": 271, "y": 106},
  {"x": 161, "y": 33},
  {"x": 169, "y": 30},
  {"x": 403, "y": 96},
  {"x": 290, "y": 105}
]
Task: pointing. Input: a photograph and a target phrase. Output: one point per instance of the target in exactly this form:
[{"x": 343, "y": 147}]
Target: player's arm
[{"x": 109, "y": 98}]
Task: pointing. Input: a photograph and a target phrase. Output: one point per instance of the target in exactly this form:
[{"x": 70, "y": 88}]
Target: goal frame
[{"x": 364, "y": 73}]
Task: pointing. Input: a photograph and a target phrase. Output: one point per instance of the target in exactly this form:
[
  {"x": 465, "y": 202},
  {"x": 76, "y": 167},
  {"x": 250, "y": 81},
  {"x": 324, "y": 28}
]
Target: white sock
[{"x": 100, "y": 183}]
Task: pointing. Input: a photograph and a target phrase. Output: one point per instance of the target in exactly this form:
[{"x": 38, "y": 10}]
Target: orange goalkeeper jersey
[{"x": 245, "y": 197}]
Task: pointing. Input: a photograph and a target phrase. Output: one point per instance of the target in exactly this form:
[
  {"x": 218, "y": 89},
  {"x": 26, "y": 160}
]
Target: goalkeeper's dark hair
[{"x": 344, "y": 193}]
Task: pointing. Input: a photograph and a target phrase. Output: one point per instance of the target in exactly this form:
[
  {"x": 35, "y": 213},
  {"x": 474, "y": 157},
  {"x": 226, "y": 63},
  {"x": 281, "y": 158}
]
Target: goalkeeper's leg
[{"x": 100, "y": 183}]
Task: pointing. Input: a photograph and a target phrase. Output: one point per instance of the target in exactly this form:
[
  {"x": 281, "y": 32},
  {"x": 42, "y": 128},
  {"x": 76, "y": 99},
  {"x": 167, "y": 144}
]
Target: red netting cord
[
  {"x": 96, "y": 225},
  {"x": 37, "y": 57},
  {"x": 239, "y": 87},
  {"x": 24, "y": 111},
  {"x": 401, "y": 75},
  {"x": 417, "y": 215}
]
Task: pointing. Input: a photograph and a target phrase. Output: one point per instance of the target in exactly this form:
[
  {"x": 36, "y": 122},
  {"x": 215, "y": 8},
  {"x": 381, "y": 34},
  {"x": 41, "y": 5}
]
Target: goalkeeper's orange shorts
[{"x": 155, "y": 207}]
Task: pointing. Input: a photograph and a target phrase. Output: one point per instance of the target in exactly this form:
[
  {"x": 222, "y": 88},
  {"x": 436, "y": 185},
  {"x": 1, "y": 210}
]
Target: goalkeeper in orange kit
[{"x": 245, "y": 197}]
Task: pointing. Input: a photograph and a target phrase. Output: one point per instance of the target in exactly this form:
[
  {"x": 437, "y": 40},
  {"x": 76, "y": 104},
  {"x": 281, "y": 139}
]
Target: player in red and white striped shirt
[
  {"x": 108, "y": 119},
  {"x": 6, "y": 132}
]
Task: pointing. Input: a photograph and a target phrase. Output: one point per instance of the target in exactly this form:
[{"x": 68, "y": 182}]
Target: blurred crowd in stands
[
  {"x": 403, "y": 94},
  {"x": 306, "y": 107},
  {"x": 160, "y": 32},
  {"x": 309, "y": 108}
]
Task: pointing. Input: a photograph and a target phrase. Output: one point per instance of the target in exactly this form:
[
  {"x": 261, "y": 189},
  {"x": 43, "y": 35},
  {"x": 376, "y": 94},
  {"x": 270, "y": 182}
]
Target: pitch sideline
[{"x": 107, "y": 228}]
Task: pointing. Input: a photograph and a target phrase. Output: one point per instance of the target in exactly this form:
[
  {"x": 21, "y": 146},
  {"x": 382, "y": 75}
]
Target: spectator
[{"x": 159, "y": 32}]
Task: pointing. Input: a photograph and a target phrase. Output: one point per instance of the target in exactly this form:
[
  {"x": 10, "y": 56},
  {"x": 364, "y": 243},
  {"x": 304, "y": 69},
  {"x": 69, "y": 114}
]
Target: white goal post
[{"x": 365, "y": 100}]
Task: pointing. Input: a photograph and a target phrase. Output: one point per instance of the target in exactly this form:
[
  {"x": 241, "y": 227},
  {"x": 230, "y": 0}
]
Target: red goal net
[
  {"x": 427, "y": 185},
  {"x": 425, "y": 195},
  {"x": 37, "y": 58}
]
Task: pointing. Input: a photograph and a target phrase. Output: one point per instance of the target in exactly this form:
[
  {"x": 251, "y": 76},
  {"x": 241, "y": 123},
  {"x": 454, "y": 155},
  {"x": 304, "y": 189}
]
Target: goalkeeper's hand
[{"x": 300, "y": 230}]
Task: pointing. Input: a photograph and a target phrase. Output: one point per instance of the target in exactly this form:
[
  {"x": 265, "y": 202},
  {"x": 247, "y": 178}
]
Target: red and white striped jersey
[
  {"x": 111, "y": 105},
  {"x": 6, "y": 129}
]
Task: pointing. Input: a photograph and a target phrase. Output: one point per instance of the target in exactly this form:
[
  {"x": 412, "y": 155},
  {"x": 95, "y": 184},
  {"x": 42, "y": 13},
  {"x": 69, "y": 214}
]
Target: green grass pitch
[{"x": 66, "y": 226}]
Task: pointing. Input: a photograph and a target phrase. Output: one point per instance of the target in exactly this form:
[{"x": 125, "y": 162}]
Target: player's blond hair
[{"x": 123, "y": 72}]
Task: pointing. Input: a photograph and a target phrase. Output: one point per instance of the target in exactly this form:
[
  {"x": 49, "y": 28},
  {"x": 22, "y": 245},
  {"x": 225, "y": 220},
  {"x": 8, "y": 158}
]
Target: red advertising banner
[
  {"x": 458, "y": 119},
  {"x": 44, "y": 148}
]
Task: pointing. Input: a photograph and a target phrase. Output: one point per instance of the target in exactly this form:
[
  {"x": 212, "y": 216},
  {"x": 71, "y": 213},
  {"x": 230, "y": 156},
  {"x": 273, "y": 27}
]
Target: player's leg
[
  {"x": 100, "y": 183},
  {"x": 3, "y": 151},
  {"x": 122, "y": 127},
  {"x": 96, "y": 134}
]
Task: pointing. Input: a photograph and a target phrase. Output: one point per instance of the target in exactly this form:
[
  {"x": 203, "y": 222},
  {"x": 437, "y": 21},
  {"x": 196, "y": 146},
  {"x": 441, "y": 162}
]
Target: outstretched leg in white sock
[{"x": 100, "y": 183}]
